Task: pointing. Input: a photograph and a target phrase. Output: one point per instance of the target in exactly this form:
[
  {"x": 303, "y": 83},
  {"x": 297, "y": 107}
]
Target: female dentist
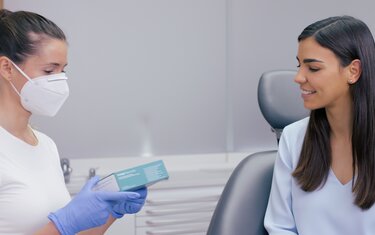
[{"x": 33, "y": 195}]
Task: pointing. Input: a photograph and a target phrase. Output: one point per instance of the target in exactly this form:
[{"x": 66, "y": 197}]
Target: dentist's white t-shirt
[{"x": 31, "y": 183}]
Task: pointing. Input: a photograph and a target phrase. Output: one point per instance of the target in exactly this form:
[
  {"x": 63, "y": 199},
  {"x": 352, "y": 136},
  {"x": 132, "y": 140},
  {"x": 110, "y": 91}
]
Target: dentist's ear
[
  {"x": 355, "y": 70},
  {"x": 6, "y": 68}
]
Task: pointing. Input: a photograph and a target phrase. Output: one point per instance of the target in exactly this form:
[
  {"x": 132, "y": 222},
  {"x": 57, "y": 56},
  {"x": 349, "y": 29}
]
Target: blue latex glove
[
  {"x": 130, "y": 206},
  {"x": 88, "y": 209}
]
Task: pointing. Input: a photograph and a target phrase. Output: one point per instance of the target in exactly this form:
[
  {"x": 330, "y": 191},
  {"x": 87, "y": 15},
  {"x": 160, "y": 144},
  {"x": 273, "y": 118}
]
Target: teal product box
[{"x": 133, "y": 178}]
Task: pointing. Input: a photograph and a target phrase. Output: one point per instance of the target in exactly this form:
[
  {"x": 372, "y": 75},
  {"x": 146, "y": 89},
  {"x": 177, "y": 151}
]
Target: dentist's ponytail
[{"x": 22, "y": 32}]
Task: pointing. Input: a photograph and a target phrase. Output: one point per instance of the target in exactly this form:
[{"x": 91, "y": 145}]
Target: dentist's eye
[{"x": 48, "y": 71}]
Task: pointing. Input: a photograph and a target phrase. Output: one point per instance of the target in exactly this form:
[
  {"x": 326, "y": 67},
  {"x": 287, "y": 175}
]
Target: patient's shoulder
[
  {"x": 291, "y": 142},
  {"x": 297, "y": 128}
]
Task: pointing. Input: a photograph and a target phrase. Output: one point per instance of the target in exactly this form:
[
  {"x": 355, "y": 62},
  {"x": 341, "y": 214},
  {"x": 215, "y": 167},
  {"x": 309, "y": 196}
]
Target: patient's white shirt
[
  {"x": 31, "y": 183},
  {"x": 327, "y": 211}
]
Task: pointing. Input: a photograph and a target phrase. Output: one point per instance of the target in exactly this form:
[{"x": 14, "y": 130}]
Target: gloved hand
[
  {"x": 130, "y": 206},
  {"x": 88, "y": 209}
]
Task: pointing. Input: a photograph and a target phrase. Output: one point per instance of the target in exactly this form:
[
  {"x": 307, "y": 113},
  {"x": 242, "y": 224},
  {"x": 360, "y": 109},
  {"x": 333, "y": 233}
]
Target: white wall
[
  {"x": 157, "y": 77},
  {"x": 262, "y": 35}
]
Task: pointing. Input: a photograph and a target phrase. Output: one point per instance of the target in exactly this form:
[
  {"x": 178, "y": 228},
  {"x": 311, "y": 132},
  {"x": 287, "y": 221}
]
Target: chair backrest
[
  {"x": 242, "y": 205},
  {"x": 279, "y": 99}
]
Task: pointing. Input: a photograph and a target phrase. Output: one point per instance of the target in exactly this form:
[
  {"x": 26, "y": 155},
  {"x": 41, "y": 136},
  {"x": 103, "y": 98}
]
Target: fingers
[
  {"x": 90, "y": 183},
  {"x": 132, "y": 208},
  {"x": 139, "y": 201},
  {"x": 118, "y": 196},
  {"x": 128, "y": 208},
  {"x": 142, "y": 192}
]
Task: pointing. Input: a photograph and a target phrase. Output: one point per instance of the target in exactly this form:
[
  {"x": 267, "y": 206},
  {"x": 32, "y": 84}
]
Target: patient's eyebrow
[
  {"x": 312, "y": 60},
  {"x": 308, "y": 60}
]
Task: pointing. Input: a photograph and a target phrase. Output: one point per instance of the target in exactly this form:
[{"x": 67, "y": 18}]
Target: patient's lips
[{"x": 307, "y": 92}]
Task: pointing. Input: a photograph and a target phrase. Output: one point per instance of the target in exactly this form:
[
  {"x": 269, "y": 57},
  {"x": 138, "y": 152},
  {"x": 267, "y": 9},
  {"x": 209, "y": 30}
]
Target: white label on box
[{"x": 109, "y": 183}]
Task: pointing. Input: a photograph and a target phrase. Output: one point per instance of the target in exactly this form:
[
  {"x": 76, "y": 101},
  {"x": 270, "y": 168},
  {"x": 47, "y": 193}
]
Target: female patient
[
  {"x": 33, "y": 196},
  {"x": 324, "y": 175}
]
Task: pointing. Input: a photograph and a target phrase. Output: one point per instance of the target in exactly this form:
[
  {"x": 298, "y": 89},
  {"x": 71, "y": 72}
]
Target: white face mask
[{"x": 43, "y": 95}]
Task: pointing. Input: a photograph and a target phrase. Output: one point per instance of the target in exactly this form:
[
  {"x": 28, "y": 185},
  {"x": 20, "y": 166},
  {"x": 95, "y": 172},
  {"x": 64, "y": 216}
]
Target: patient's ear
[
  {"x": 355, "y": 71},
  {"x": 6, "y": 68}
]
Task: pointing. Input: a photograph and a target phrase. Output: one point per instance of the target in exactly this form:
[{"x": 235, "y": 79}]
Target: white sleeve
[
  {"x": 1, "y": 172},
  {"x": 279, "y": 218}
]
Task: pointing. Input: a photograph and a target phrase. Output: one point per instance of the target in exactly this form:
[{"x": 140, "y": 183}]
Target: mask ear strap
[
  {"x": 22, "y": 72},
  {"x": 14, "y": 88}
]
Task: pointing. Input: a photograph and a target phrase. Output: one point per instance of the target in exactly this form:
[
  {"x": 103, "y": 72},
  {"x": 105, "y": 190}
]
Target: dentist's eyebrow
[{"x": 56, "y": 64}]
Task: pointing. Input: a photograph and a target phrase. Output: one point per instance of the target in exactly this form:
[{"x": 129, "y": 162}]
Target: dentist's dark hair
[
  {"x": 22, "y": 32},
  {"x": 349, "y": 39}
]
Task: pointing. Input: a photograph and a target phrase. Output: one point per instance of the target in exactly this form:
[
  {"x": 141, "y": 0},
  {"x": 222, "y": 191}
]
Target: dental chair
[
  {"x": 242, "y": 204},
  {"x": 279, "y": 99}
]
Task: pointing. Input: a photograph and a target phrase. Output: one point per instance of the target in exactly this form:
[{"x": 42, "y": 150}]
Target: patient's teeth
[{"x": 306, "y": 92}]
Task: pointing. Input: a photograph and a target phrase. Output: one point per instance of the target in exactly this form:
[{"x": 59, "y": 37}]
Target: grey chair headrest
[{"x": 279, "y": 98}]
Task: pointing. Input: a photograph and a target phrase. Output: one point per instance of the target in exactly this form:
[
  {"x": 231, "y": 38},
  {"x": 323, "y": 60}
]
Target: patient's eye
[{"x": 313, "y": 69}]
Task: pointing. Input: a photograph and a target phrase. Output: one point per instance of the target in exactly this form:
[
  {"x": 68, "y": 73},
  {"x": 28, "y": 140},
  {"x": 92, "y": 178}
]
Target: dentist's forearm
[
  {"x": 48, "y": 229},
  {"x": 99, "y": 230}
]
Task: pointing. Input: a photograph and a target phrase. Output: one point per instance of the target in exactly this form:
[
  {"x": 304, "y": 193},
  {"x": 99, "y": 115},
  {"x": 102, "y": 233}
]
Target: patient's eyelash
[{"x": 314, "y": 69}]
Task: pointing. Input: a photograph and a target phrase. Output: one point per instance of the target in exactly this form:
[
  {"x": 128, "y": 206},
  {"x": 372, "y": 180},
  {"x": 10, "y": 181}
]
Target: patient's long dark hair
[{"x": 349, "y": 39}]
